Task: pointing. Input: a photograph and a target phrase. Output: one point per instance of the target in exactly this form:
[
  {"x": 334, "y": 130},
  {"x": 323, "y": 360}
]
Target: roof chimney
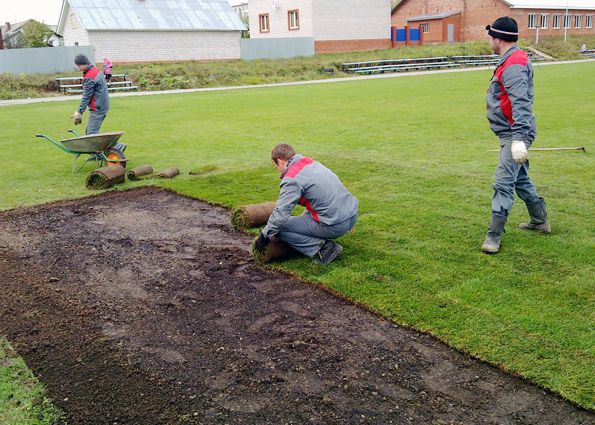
[{"x": 7, "y": 26}]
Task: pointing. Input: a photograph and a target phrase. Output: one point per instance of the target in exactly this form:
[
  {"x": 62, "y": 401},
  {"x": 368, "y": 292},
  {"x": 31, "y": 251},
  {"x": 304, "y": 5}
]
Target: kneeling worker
[{"x": 331, "y": 209}]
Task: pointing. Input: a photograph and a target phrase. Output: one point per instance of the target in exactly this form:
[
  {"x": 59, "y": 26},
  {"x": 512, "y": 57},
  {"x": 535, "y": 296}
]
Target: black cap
[
  {"x": 81, "y": 59},
  {"x": 504, "y": 28}
]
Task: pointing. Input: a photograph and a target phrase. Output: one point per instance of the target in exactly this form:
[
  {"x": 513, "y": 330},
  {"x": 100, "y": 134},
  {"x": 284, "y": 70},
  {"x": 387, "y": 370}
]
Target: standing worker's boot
[
  {"x": 492, "y": 243},
  {"x": 538, "y": 215}
]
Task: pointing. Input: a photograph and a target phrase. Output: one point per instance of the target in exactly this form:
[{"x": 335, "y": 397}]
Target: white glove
[
  {"x": 519, "y": 151},
  {"x": 77, "y": 117}
]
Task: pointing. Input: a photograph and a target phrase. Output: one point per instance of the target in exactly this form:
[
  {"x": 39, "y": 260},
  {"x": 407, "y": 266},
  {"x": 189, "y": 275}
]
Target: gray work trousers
[
  {"x": 95, "y": 121},
  {"x": 307, "y": 235},
  {"x": 511, "y": 177}
]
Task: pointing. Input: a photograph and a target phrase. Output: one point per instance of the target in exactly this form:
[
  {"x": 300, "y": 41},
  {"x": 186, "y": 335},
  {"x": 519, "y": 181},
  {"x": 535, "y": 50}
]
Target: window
[
  {"x": 578, "y": 20},
  {"x": 589, "y": 21},
  {"x": 545, "y": 20},
  {"x": 293, "y": 20},
  {"x": 567, "y": 19},
  {"x": 557, "y": 20},
  {"x": 532, "y": 20},
  {"x": 425, "y": 28},
  {"x": 263, "y": 22}
]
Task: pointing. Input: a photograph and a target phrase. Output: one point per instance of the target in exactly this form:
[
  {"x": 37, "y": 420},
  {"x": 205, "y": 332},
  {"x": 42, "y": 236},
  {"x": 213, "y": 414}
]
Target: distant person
[
  {"x": 331, "y": 209},
  {"x": 107, "y": 69},
  {"x": 583, "y": 48},
  {"x": 510, "y": 114}
]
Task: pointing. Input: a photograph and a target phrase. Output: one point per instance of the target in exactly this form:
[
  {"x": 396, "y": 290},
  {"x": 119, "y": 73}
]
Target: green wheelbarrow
[{"x": 100, "y": 148}]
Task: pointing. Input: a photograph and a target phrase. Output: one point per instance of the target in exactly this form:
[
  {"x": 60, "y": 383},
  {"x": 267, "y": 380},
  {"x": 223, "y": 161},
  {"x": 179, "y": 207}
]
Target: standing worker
[
  {"x": 95, "y": 97},
  {"x": 510, "y": 114},
  {"x": 331, "y": 209}
]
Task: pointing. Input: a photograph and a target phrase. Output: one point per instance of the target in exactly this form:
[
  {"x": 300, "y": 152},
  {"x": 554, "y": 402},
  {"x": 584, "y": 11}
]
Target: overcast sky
[{"x": 47, "y": 11}]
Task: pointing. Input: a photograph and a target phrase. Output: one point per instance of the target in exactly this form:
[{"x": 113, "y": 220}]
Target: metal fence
[
  {"x": 274, "y": 48},
  {"x": 42, "y": 60}
]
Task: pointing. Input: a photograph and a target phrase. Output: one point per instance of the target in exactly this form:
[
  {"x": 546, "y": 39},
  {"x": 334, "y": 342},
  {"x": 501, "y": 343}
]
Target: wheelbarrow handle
[{"x": 52, "y": 141}]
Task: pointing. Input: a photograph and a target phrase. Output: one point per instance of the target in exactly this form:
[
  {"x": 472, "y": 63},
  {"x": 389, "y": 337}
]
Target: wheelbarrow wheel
[{"x": 115, "y": 157}]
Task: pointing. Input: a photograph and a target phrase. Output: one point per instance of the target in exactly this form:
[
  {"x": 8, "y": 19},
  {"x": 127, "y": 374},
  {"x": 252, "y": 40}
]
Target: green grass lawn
[
  {"x": 22, "y": 397},
  {"x": 414, "y": 150}
]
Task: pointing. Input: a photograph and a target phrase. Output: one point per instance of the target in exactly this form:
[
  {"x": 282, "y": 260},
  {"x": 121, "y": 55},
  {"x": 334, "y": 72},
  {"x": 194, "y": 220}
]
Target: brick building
[
  {"x": 335, "y": 25},
  {"x": 465, "y": 20},
  {"x": 153, "y": 30}
]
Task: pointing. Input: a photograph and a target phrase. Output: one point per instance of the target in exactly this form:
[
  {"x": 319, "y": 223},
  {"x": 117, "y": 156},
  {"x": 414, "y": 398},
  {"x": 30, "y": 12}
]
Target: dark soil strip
[{"x": 144, "y": 307}]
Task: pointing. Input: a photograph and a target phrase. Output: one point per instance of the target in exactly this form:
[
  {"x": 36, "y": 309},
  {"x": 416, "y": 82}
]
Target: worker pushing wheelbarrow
[{"x": 103, "y": 148}]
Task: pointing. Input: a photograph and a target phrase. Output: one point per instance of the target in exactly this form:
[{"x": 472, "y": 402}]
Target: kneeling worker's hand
[
  {"x": 519, "y": 151},
  {"x": 77, "y": 117},
  {"x": 261, "y": 243}
]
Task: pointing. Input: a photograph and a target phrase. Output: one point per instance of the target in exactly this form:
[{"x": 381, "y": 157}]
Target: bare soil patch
[{"x": 144, "y": 307}]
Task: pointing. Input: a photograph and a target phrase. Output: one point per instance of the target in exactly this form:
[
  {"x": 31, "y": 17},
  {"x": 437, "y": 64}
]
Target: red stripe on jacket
[
  {"x": 295, "y": 169},
  {"x": 292, "y": 172},
  {"x": 516, "y": 58},
  {"x": 305, "y": 203},
  {"x": 92, "y": 74}
]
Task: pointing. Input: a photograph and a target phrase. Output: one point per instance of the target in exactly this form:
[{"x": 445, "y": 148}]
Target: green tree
[
  {"x": 246, "y": 21},
  {"x": 35, "y": 34}
]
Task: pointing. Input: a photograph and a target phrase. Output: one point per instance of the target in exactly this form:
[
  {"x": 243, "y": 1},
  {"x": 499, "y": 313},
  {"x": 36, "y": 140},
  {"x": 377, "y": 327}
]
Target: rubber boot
[
  {"x": 538, "y": 215},
  {"x": 491, "y": 245}
]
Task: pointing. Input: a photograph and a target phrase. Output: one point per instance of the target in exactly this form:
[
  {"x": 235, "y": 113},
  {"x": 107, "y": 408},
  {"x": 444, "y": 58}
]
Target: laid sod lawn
[
  {"x": 414, "y": 150},
  {"x": 22, "y": 397}
]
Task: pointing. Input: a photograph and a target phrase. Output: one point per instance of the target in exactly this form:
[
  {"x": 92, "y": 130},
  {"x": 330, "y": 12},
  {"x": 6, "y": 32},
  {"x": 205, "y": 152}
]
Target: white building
[
  {"x": 153, "y": 30},
  {"x": 241, "y": 9},
  {"x": 335, "y": 25}
]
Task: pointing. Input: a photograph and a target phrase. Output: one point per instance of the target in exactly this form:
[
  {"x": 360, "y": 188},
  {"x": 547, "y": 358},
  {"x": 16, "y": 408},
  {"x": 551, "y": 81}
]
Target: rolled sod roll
[
  {"x": 168, "y": 173},
  {"x": 106, "y": 177},
  {"x": 276, "y": 250},
  {"x": 251, "y": 215},
  {"x": 136, "y": 173}
]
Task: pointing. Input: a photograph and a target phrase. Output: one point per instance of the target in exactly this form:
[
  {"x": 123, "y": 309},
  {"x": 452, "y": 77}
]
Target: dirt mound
[{"x": 145, "y": 307}]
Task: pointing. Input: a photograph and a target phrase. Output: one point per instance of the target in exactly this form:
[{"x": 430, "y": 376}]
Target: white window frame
[
  {"x": 264, "y": 22},
  {"x": 425, "y": 28},
  {"x": 532, "y": 21},
  {"x": 557, "y": 21},
  {"x": 567, "y": 21},
  {"x": 589, "y": 21},
  {"x": 293, "y": 20},
  {"x": 578, "y": 21},
  {"x": 545, "y": 20}
]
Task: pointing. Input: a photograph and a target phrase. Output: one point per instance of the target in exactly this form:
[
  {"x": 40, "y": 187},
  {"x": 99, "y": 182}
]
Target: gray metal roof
[
  {"x": 172, "y": 15},
  {"x": 431, "y": 17}
]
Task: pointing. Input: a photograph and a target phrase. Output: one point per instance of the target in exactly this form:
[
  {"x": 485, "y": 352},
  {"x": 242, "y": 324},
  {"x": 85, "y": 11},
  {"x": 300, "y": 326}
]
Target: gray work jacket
[
  {"x": 309, "y": 183},
  {"x": 509, "y": 101}
]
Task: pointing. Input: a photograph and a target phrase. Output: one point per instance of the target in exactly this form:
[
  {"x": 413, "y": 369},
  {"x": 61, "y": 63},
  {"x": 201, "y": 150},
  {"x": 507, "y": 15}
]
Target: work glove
[
  {"x": 77, "y": 117},
  {"x": 261, "y": 243},
  {"x": 519, "y": 151}
]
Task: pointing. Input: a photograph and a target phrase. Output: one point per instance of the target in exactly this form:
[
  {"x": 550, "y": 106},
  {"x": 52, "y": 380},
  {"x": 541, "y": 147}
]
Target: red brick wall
[
  {"x": 436, "y": 29},
  {"x": 411, "y": 8},
  {"x": 336, "y": 46},
  {"x": 479, "y": 13},
  {"x": 456, "y": 20}
]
